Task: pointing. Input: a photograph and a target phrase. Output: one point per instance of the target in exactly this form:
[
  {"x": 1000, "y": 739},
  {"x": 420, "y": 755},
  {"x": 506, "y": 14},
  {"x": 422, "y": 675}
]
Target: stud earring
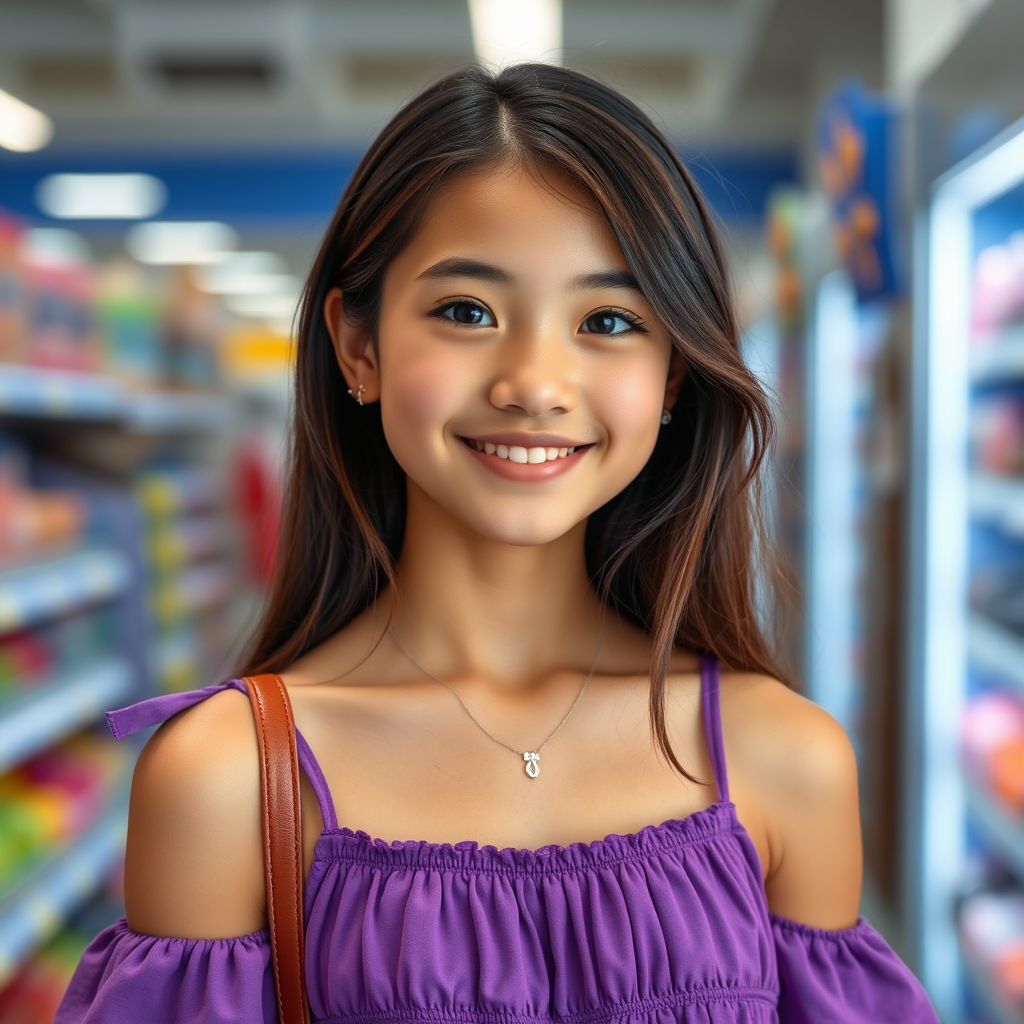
[
  {"x": 358, "y": 393},
  {"x": 666, "y": 417}
]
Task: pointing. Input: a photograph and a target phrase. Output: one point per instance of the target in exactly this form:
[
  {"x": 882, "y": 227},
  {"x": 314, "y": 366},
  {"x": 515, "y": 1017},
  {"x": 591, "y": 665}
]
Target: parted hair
[{"x": 678, "y": 550}]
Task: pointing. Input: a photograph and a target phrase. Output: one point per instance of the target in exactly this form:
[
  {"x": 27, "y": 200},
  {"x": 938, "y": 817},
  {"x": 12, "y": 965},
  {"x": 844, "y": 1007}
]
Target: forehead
[{"x": 508, "y": 211}]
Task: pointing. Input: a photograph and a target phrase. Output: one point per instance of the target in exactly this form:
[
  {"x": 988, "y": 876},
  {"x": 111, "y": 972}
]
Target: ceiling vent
[
  {"x": 202, "y": 51},
  {"x": 210, "y": 72}
]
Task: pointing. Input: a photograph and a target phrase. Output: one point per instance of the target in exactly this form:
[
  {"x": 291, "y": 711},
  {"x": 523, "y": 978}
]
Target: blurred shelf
[
  {"x": 193, "y": 590},
  {"x": 175, "y": 661},
  {"x": 41, "y": 393},
  {"x": 996, "y": 649},
  {"x": 995, "y": 1010},
  {"x": 42, "y": 590},
  {"x": 40, "y": 907},
  {"x": 1001, "y": 829},
  {"x": 167, "y": 411},
  {"x": 999, "y": 358},
  {"x": 183, "y": 541},
  {"x": 998, "y": 499},
  {"x": 57, "y": 394},
  {"x": 36, "y": 719}
]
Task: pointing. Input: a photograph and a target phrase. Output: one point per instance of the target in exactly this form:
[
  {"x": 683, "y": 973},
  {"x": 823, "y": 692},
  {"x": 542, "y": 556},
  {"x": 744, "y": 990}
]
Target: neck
[{"x": 468, "y": 604}]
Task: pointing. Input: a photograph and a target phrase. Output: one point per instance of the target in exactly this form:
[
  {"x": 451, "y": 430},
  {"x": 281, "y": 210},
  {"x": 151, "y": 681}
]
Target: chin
[{"x": 521, "y": 528}]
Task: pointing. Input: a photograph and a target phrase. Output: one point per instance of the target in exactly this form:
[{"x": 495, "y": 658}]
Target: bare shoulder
[
  {"x": 793, "y": 775},
  {"x": 783, "y": 741},
  {"x": 194, "y": 866}
]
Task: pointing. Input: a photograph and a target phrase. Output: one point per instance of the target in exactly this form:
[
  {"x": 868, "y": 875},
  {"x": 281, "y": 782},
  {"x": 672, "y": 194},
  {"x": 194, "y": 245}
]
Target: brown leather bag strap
[{"x": 282, "y": 841}]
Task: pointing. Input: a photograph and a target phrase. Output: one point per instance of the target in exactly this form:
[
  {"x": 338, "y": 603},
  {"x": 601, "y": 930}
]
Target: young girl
[{"x": 519, "y": 542}]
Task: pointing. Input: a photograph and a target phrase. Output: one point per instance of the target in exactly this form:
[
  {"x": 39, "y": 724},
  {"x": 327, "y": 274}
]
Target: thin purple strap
[
  {"x": 709, "y": 686},
  {"x": 311, "y": 767},
  {"x": 126, "y": 721}
]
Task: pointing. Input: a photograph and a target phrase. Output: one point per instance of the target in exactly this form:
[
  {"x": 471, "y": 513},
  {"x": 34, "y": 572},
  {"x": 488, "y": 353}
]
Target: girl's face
[{"x": 521, "y": 374}]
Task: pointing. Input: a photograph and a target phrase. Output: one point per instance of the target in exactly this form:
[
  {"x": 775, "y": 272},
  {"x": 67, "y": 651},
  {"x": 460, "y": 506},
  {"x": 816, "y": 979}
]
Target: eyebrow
[
  {"x": 460, "y": 266},
  {"x": 604, "y": 279}
]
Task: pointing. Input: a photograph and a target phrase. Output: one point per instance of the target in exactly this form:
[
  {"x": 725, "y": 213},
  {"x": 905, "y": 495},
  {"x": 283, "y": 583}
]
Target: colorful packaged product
[{"x": 13, "y": 293}]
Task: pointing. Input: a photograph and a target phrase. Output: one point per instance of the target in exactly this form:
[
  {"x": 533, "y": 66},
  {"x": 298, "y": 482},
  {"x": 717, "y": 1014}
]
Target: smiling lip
[
  {"x": 526, "y": 457},
  {"x": 525, "y": 440}
]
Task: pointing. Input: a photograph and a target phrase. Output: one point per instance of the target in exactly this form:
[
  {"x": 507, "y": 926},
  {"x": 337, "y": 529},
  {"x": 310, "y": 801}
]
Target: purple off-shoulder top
[{"x": 667, "y": 925}]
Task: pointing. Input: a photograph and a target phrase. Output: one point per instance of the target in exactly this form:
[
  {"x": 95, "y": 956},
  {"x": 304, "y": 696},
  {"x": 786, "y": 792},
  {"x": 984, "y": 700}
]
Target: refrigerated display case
[{"x": 964, "y": 744}]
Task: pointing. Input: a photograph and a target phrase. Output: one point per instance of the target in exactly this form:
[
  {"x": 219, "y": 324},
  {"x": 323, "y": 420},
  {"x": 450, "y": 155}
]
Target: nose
[{"x": 536, "y": 377}]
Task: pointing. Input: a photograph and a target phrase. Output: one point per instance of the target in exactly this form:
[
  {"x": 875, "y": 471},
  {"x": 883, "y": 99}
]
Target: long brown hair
[{"x": 675, "y": 551}]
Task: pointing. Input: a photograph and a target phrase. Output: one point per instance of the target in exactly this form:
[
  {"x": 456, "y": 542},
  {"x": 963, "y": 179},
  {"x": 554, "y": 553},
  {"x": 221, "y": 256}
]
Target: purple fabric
[
  {"x": 850, "y": 975},
  {"x": 667, "y": 925},
  {"x": 127, "y": 978}
]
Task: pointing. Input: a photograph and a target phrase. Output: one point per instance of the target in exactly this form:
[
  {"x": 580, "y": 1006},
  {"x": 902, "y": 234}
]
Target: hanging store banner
[{"x": 857, "y": 158}]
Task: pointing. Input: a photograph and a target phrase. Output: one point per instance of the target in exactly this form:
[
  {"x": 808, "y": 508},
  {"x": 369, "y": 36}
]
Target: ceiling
[{"x": 313, "y": 72}]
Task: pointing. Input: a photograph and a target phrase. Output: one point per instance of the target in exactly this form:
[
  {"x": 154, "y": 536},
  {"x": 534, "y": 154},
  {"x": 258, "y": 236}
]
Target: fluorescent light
[
  {"x": 54, "y": 247},
  {"x": 22, "y": 128},
  {"x": 257, "y": 284},
  {"x": 165, "y": 242},
  {"x": 246, "y": 273},
  {"x": 509, "y": 31},
  {"x": 270, "y": 307},
  {"x": 101, "y": 196}
]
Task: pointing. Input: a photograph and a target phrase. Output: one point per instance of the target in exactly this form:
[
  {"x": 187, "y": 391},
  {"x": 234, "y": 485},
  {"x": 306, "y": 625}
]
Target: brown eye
[
  {"x": 465, "y": 314},
  {"x": 609, "y": 322}
]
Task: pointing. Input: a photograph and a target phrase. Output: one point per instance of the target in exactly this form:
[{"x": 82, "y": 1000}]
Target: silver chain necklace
[{"x": 531, "y": 757}]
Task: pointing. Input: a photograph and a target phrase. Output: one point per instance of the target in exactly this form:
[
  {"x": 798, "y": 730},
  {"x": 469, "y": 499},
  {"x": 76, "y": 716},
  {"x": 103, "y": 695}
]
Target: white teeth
[{"x": 519, "y": 453}]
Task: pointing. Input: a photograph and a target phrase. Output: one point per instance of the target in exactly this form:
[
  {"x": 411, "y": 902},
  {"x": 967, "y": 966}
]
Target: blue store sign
[{"x": 857, "y": 158}]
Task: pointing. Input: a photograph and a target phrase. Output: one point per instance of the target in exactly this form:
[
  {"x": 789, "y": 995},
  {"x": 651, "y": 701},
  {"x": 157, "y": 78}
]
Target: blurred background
[{"x": 166, "y": 171}]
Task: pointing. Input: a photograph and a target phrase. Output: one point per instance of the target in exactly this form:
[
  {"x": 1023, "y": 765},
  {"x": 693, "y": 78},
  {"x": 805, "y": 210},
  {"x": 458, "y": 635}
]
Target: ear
[
  {"x": 353, "y": 348},
  {"x": 677, "y": 370}
]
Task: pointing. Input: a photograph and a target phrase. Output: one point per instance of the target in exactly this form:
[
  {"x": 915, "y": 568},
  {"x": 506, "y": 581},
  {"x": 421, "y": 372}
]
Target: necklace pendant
[{"x": 532, "y": 767}]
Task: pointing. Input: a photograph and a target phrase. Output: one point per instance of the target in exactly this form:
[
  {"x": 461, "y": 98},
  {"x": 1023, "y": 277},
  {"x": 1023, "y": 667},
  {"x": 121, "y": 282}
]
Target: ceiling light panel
[
  {"x": 101, "y": 196},
  {"x": 23, "y": 129},
  {"x": 181, "y": 242},
  {"x": 510, "y": 31},
  {"x": 264, "y": 307},
  {"x": 246, "y": 273}
]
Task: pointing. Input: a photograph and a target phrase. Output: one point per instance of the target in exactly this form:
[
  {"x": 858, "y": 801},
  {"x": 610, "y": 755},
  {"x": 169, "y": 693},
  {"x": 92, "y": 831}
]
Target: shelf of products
[
  {"x": 996, "y": 649},
  {"x": 981, "y": 986},
  {"x": 1000, "y": 357},
  {"x": 43, "y": 590},
  {"x": 38, "y": 392},
  {"x": 38, "y": 718},
  {"x": 39, "y": 907},
  {"x": 35, "y": 996},
  {"x": 190, "y": 571},
  {"x": 998, "y": 500},
  {"x": 1003, "y": 831},
  {"x": 120, "y": 538}
]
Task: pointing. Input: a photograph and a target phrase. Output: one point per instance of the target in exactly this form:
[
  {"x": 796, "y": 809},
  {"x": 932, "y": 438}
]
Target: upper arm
[
  {"x": 796, "y": 775},
  {"x": 194, "y": 861}
]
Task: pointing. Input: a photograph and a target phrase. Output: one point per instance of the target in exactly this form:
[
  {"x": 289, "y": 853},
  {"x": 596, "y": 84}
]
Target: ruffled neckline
[{"x": 345, "y": 844}]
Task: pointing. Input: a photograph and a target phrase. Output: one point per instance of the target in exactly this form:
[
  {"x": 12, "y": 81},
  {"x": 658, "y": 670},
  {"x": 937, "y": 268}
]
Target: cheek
[
  {"x": 629, "y": 401},
  {"x": 420, "y": 391}
]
